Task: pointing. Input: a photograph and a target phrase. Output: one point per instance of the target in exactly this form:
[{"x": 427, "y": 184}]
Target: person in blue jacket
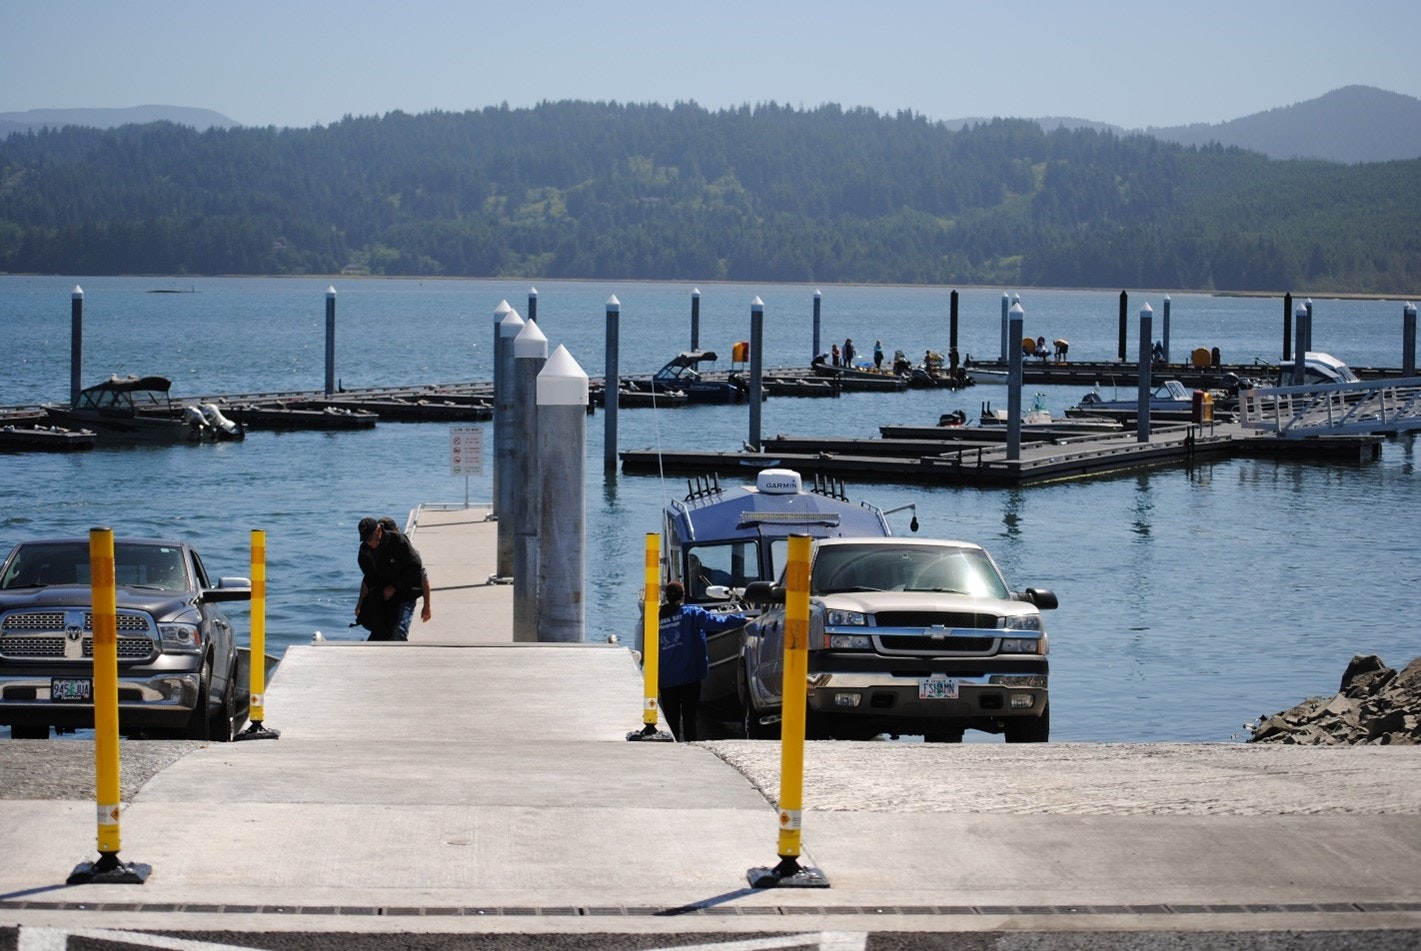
[{"x": 683, "y": 662}]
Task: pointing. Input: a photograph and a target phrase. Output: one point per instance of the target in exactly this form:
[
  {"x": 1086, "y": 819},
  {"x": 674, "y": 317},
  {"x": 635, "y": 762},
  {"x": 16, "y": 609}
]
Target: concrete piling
[
  {"x": 533, "y": 305},
  {"x": 757, "y": 364},
  {"x": 1006, "y": 332},
  {"x": 818, "y": 302},
  {"x": 76, "y": 343},
  {"x": 1408, "y": 341},
  {"x": 1164, "y": 330},
  {"x": 695, "y": 318},
  {"x": 1016, "y": 316},
  {"x": 1144, "y": 375},
  {"x": 1287, "y": 326},
  {"x": 562, "y": 499},
  {"x": 530, "y": 354},
  {"x": 499, "y": 313},
  {"x": 1300, "y": 316},
  {"x": 504, "y": 446},
  {"x": 612, "y": 384},
  {"x": 1124, "y": 309},
  {"x": 952, "y": 322},
  {"x": 330, "y": 340}
]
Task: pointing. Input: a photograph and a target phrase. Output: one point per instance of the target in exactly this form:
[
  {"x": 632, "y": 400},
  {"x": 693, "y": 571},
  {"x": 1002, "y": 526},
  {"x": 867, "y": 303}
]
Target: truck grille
[
  {"x": 919, "y": 644},
  {"x": 40, "y": 635},
  {"x": 973, "y": 619}
]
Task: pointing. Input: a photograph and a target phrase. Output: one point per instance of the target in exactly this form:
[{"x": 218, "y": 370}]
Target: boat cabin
[{"x": 731, "y": 536}]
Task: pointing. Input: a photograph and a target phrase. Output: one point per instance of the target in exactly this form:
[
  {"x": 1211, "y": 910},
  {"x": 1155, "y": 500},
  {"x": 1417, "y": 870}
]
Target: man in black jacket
[{"x": 393, "y": 579}]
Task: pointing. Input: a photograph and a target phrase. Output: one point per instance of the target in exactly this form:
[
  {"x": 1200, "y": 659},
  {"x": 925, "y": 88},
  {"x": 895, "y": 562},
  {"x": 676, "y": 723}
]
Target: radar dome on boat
[{"x": 779, "y": 482}]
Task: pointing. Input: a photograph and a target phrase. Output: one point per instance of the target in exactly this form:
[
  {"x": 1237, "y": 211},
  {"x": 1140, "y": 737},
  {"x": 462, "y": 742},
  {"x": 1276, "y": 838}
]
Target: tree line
[{"x": 762, "y": 193}]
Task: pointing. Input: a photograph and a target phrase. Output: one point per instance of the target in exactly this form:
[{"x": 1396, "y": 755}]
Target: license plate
[
  {"x": 66, "y": 689},
  {"x": 937, "y": 687}
]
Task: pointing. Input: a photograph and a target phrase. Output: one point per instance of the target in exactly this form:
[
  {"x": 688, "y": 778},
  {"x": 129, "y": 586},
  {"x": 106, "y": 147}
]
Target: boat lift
[{"x": 1295, "y": 412}]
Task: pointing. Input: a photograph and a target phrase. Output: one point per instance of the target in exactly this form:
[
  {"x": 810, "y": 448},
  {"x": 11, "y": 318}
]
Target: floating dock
[{"x": 977, "y": 455}]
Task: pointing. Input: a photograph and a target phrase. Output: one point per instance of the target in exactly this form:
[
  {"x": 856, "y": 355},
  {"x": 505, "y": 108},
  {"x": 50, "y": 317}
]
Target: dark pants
[{"x": 680, "y": 704}]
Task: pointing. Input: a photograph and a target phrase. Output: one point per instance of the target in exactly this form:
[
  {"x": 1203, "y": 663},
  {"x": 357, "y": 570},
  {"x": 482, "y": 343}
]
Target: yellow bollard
[
  {"x": 789, "y": 873},
  {"x": 104, "y": 611},
  {"x": 257, "y": 704},
  {"x": 651, "y": 643}
]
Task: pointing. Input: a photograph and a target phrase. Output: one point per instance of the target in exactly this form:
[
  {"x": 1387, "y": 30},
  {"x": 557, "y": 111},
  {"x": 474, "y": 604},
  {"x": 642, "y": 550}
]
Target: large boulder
[{"x": 1374, "y": 704}]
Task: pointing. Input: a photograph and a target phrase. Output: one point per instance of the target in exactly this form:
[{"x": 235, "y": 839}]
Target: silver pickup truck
[{"x": 906, "y": 636}]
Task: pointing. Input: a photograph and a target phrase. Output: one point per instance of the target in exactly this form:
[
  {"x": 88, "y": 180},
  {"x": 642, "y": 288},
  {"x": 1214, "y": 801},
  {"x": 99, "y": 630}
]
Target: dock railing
[{"x": 1333, "y": 408}]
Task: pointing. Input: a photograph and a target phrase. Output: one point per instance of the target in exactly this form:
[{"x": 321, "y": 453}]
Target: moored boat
[{"x": 135, "y": 409}]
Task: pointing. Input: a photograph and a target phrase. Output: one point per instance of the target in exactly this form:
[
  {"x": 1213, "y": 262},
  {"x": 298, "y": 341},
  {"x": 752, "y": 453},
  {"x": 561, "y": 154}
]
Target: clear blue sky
[{"x": 308, "y": 62}]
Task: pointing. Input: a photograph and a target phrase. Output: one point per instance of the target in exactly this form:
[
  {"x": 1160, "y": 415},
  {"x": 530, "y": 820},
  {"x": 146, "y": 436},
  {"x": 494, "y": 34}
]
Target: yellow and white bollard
[
  {"x": 651, "y": 645},
  {"x": 789, "y": 873},
  {"x": 256, "y": 706},
  {"x": 108, "y": 869}
]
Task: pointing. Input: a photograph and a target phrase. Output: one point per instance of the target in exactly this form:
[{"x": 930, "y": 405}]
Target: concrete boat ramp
[{"x": 464, "y": 783}]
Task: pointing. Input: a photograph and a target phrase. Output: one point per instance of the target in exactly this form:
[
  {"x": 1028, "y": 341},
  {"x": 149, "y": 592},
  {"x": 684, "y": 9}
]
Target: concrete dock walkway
[{"x": 461, "y": 783}]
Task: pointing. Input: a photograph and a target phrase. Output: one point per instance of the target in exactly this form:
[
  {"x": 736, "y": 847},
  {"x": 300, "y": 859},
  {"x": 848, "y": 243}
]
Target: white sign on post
[{"x": 466, "y": 450}]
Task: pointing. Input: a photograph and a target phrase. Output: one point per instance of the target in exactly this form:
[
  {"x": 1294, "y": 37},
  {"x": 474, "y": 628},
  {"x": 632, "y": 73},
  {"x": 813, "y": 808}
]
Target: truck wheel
[
  {"x": 198, "y": 723},
  {"x": 1029, "y": 729},
  {"x": 750, "y": 724},
  {"x": 219, "y": 727}
]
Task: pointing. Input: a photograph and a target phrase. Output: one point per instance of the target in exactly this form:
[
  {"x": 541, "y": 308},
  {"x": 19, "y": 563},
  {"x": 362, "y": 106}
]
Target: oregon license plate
[
  {"x": 71, "y": 689},
  {"x": 937, "y": 687}
]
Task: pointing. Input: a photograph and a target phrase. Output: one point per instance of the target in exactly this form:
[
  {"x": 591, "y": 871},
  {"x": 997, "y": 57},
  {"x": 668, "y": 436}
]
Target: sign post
[{"x": 466, "y": 454}]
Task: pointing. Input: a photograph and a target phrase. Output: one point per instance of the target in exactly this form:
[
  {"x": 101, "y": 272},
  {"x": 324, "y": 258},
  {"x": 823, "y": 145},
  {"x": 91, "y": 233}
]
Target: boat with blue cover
[{"x": 720, "y": 538}]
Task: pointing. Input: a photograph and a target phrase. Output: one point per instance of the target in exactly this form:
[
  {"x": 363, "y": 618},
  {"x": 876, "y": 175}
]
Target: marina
[{"x": 1149, "y": 644}]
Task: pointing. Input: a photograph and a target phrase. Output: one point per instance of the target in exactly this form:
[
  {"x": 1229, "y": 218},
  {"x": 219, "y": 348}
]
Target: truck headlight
[
  {"x": 180, "y": 638},
  {"x": 848, "y": 642},
  {"x": 1022, "y": 622},
  {"x": 836, "y": 618},
  {"x": 1020, "y": 645}
]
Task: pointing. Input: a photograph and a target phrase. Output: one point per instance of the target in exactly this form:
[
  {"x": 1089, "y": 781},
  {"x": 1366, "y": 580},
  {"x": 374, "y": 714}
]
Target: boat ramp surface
[{"x": 462, "y": 783}]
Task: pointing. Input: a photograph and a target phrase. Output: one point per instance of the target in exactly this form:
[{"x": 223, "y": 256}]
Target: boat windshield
[
  {"x": 941, "y": 568},
  {"x": 734, "y": 565}
]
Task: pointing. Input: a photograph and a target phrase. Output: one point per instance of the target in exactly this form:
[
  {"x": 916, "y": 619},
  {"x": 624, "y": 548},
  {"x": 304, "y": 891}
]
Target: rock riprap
[{"x": 1375, "y": 705}]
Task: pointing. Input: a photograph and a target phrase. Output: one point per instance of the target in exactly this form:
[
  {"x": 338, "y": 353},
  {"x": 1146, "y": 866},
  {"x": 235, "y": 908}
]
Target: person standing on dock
[
  {"x": 393, "y": 575},
  {"x": 878, "y": 354},
  {"x": 848, "y": 351},
  {"x": 684, "y": 661}
]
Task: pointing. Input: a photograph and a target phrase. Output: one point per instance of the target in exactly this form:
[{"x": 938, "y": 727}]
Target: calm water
[{"x": 1191, "y": 602}]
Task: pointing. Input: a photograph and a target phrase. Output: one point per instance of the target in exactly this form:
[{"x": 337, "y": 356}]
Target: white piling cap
[
  {"x": 562, "y": 382},
  {"x": 757, "y": 305},
  {"x": 532, "y": 292},
  {"x": 1016, "y": 311},
  {"x": 77, "y": 293},
  {"x": 695, "y": 292},
  {"x": 530, "y": 342},
  {"x": 498, "y": 312},
  {"x": 1147, "y": 310},
  {"x": 331, "y": 291},
  {"x": 613, "y": 304},
  {"x": 510, "y": 324},
  {"x": 1410, "y": 308}
]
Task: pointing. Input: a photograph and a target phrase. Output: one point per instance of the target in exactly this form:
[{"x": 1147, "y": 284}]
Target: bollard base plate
[
  {"x": 256, "y": 731},
  {"x": 108, "y": 870},
  {"x": 650, "y": 734},
  {"x": 788, "y": 874}
]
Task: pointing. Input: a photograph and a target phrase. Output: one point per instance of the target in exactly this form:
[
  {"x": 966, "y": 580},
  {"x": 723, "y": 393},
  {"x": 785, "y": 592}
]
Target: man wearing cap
[
  {"x": 683, "y": 661},
  {"x": 392, "y": 578}
]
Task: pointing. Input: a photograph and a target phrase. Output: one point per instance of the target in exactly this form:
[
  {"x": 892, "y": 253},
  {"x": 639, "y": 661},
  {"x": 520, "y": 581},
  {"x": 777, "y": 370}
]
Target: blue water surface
[{"x": 1192, "y": 601}]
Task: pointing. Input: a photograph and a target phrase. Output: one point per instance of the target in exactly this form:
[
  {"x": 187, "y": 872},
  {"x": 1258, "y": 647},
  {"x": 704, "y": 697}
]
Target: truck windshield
[
  {"x": 40, "y": 565},
  {"x": 945, "y": 568}
]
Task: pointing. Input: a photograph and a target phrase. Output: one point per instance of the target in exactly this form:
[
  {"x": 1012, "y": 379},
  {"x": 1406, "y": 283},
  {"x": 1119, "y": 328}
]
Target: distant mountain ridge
[
  {"x": 32, "y": 120},
  {"x": 1352, "y": 124}
]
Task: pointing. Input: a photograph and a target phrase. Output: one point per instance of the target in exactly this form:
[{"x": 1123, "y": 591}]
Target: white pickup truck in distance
[{"x": 906, "y": 636}]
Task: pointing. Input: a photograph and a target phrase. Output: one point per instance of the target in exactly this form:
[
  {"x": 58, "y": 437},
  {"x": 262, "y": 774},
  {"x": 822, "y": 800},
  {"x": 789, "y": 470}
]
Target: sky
[{"x": 311, "y": 62}]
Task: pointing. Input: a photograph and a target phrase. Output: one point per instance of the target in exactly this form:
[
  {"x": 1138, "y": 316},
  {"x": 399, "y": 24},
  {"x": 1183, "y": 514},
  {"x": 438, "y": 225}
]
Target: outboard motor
[
  {"x": 198, "y": 427},
  {"x": 226, "y": 428}
]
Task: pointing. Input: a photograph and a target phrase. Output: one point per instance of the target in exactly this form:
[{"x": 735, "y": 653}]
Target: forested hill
[{"x": 765, "y": 193}]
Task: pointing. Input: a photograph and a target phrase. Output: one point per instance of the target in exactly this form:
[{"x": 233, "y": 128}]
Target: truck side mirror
[{"x": 764, "y": 592}]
